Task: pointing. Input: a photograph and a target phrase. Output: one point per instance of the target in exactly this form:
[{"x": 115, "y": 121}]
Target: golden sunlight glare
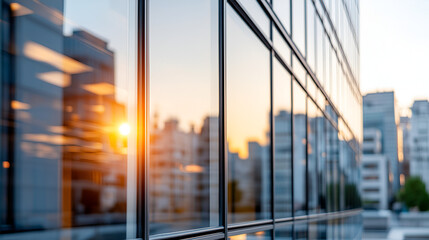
[{"x": 124, "y": 129}]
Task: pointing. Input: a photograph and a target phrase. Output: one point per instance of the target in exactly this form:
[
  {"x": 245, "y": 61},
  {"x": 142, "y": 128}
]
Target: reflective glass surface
[
  {"x": 320, "y": 50},
  {"x": 300, "y": 231},
  {"x": 312, "y": 230},
  {"x": 282, "y": 10},
  {"x": 255, "y": 11},
  {"x": 281, "y": 47},
  {"x": 183, "y": 125},
  {"x": 299, "y": 149},
  {"x": 299, "y": 70},
  {"x": 69, "y": 106},
  {"x": 312, "y": 118},
  {"x": 321, "y": 161},
  {"x": 282, "y": 108},
  {"x": 248, "y": 109},
  {"x": 332, "y": 179},
  {"x": 298, "y": 24},
  {"x": 311, "y": 37},
  {"x": 68, "y": 80},
  {"x": 261, "y": 235},
  {"x": 284, "y": 231}
]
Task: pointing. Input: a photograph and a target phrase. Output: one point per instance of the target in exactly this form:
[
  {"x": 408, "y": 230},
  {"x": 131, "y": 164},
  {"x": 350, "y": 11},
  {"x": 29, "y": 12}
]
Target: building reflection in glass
[
  {"x": 65, "y": 121},
  {"x": 299, "y": 149},
  {"x": 282, "y": 105},
  {"x": 247, "y": 123},
  {"x": 183, "y": 121}
]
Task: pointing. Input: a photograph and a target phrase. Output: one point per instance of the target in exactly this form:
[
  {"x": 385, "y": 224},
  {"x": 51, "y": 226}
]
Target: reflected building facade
[
  {"x": 170, "y": 119},
  {"x": 64, "y": 159}
]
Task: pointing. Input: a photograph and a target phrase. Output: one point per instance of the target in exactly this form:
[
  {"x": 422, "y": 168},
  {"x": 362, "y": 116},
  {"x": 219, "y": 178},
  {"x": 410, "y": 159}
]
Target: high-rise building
[
  {"x": 419, "y": 138},
  {"x": 173, "y": 119},
  {"x": 380, "y": 112}
]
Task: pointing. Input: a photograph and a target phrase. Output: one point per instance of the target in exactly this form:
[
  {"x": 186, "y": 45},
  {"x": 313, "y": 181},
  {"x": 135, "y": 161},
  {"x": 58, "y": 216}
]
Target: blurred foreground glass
[
  {"x": 67, "y": 107},
  {"x": 248, "y": 109},
  {"x": 183, "y": 121}
]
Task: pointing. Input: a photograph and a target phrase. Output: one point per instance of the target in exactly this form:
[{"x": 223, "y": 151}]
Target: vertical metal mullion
[
  {"x": 142, "y": 108},
  {"x": 292, "y": 120},
  {"x": 223, "y": 163}
]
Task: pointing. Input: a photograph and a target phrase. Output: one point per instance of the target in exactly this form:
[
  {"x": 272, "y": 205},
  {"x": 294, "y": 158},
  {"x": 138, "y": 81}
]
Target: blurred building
[
  {"x": 405, "y": 125},
  {"x": 375, "y": 185},
  {"x": 66, "y": 162},
  {"x": 381, "y": 113},
  {"x": 419, "y": 141}
]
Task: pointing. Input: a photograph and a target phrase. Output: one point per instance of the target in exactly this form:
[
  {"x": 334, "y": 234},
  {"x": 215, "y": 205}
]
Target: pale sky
[{"x": 395, "y": 48}]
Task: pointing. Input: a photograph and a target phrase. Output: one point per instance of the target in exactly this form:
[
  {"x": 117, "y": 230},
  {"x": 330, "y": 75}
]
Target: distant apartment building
[
  {"x": 375, "y": 184},
  {"x": 419, "y": 137},
  {"x": 380, "y": 112}
]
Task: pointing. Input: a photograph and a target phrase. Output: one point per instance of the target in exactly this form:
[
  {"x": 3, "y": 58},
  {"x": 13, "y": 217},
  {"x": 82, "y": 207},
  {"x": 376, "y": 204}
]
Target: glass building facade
[{"x": 180, "y": 119}]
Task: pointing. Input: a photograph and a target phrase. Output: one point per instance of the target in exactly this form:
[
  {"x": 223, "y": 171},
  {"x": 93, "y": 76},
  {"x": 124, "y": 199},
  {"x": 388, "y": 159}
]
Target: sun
[{"x": 124, "y": 129}]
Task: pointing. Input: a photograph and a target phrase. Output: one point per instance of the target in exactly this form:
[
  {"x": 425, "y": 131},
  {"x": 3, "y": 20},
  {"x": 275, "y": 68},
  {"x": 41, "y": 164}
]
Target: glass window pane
[
  {"x": 299, "y": 70},
  {"x": 299, "y": 149},
  {"x": 281, "y": 47},
  {"x": 261, "y": 235},
  {"x": 312, "y": 156},
  {"x": 282, "y": 10},
  {"x": 300, "y": 231},
  {"x": 183, "y": 122},
  {"x": 284, "y": 231},
  {"x": 332, "y": 169},
  {"x": 321, "y": 229},
  {"x": 311, "y": 58},
  {"x": 311, "y": 87},
  {"x": 320, "y": 45},
  {"x": 248, "y": 109},
  {"x": 68, "y": 99},
  {"x": 298, "y": 24},
  {"x": 282, "y": 140},
  {"x": 313, "y": 231},
  {"x": 258, "y": 15}
]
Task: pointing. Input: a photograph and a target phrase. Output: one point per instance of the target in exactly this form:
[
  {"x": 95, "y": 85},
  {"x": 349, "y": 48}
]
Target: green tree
[{"x": 414, "y": 194}]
